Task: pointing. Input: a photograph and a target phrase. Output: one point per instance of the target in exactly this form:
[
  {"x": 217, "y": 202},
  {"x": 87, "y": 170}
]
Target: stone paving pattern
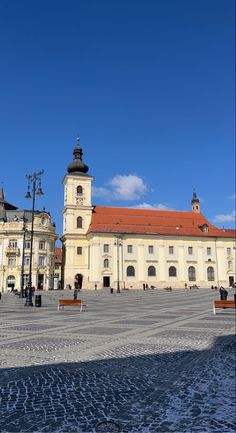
[{"x": 149, "y": 361}]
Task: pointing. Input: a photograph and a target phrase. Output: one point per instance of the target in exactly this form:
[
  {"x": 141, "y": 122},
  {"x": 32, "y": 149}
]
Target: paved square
[{"x": 139, "y": 361}]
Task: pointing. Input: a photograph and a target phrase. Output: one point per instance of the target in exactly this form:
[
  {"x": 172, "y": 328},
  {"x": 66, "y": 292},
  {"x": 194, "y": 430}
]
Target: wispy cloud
[
  {"x": 225, "y": 218},
  {"x": 158, "y": 206},
  {"x": 232, "y": 197},
  {"x": 122, "y": 187}
]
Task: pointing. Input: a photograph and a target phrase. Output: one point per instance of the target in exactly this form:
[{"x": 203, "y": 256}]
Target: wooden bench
[
  {"x": 76, "y": 302},
  {"x": 223, "y": 304}
]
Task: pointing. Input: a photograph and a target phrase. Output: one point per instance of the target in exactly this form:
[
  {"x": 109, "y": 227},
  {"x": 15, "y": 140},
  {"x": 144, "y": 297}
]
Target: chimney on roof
[{"x": 195, "y": 203}]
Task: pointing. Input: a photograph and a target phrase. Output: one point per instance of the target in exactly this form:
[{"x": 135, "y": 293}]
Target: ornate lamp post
[
  {"x": 35, "y": 180},
  {"x": 23, "y": 255},
  {"x": 118, "y": 243}
]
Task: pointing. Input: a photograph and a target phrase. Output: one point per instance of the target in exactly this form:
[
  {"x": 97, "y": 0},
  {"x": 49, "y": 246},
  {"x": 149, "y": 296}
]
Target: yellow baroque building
[
  {"x": 15, "y": 235},
  {"x": 128, "y": 248}
]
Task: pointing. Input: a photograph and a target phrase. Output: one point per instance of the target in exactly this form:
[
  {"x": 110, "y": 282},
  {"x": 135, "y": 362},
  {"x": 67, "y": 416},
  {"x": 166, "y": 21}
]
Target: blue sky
[{"x": 149, "y": 87}]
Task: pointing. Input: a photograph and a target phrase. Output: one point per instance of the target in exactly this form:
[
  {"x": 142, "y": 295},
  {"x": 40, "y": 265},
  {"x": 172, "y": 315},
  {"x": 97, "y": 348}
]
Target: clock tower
[{"x": 77, "y": 213}]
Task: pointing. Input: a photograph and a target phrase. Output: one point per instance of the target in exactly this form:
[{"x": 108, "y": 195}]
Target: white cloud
[
  {"x": 122, "y": 187},
  {"x": 129, "y": 187},
  {"x": 101, "y": 192},
  {"x": 225, "y": 218},
  {"x": 158, "y": 206}
]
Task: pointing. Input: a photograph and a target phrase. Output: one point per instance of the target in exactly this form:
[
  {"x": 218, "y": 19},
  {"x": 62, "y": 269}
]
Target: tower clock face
[{"x": 79, "y": 201}]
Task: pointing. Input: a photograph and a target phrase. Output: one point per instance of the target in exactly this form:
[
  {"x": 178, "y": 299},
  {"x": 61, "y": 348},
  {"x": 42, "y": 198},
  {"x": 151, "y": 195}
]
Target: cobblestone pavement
[{"x": 139, "y": 362}]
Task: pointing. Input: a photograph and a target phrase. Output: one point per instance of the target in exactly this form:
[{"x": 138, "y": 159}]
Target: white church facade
[{"x": 126, "y": 248}]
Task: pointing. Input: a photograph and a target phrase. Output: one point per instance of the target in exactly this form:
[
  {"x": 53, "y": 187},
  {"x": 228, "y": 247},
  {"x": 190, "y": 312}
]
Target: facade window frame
[
  {"x": 151, "y": 271},
  {"x": 41, "y": 261},
  {"x": 79, "y": 251},
  {"x": 130, "y": 271},
  {"x": 210, "y": 273},
  {"x": 191, "y": 273},
  {"x": 79, "y": 222},
  {"x": 129, "y": 249},
  {"x": 172, "y": 271},
  {"x": 106, "y": 248},
  {"x": 106, "y": 263}
]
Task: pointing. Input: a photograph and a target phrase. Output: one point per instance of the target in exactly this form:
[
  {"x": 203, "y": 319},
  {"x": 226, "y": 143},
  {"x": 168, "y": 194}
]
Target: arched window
[
  {"x": 151, "y": 271},
  {"x": 79, "y": 190},
  {"x": 172, "y": 271},
  {"x": 210, "y": 273},
  {"x": 106, "y": 263},
  {"x": 79, "y": 222},
  {"x": 130, "y": 271},
  {"x": 192, "y": 273}
]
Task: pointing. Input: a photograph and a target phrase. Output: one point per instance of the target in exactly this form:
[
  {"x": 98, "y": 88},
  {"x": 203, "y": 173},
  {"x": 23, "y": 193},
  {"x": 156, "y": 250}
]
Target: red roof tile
[
  {"x": 58, "y": 255},
  {"x": 159, "y": 222}
]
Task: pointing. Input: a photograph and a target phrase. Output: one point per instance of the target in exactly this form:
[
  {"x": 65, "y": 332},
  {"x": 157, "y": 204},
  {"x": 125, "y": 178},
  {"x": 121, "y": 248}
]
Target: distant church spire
[
  {"x": 195, "y": 203},
  {"x": 77, "y": 165},
  {"x": 2, "y": 194}
]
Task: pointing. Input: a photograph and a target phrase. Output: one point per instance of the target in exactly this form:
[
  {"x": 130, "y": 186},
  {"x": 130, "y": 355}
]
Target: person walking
[{"x": 223, "y": 293}]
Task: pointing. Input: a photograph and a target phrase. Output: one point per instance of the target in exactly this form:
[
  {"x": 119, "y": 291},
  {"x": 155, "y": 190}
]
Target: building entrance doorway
[
  {"x": 106, "y": 281},
  {"x": 78, "y": 281},
  {"x": 40, "y": 281},
  {"x": 231, "y": 281},
  {"x": 11, "y": 281}
]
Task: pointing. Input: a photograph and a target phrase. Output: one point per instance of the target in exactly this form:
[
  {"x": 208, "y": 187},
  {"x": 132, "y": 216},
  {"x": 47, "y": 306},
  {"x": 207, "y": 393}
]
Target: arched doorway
[
  {"x": 78, "y": 281},
  {"x": 11, "y": 281}
]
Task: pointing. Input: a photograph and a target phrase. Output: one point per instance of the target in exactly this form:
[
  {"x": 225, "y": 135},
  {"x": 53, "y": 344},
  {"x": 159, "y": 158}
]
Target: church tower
[
  {"x": 77, "y": 213},
  {"x": 195, "y": 203}
]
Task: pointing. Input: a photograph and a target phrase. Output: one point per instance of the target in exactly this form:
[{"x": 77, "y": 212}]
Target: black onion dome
[
  {"x": 77, "y": 165},
  {"x": 195, "y": 199}
]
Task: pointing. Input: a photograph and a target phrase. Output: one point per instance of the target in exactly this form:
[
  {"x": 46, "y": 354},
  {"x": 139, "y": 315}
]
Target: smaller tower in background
[{"x": 195, "y": 203}]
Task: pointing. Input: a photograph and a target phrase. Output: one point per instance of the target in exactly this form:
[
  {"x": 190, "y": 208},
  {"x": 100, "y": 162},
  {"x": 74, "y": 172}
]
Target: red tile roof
[
  {"x": 158, "y": 222},
  {"x": 58, "y": 255}
]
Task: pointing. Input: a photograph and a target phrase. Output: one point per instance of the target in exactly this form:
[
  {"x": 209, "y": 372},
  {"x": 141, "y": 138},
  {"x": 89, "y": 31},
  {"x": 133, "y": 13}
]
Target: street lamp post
[
  {"x": 23, "y": 256},
  {"x": 118, "y": 243},
  {"x": 35, "y": 180}
]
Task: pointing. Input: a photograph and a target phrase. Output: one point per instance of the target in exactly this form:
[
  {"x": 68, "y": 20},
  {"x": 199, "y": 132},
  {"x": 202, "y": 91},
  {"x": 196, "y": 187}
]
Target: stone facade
[
  {"x": 127, "y": 248},
  {"x": 15, "y": 235}
]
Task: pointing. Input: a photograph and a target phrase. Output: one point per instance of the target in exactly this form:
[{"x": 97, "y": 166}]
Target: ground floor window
[
  {"x": 172, "y": 271},
  {"x": 210, "y": 273},
  {"x": 130, "y": 271},
  {"x": 192, "y": 273},
  {"x": 151, "y": 271}
]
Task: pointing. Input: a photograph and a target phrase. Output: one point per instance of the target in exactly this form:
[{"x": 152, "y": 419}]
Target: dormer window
[{"x": 204, "y": 228}]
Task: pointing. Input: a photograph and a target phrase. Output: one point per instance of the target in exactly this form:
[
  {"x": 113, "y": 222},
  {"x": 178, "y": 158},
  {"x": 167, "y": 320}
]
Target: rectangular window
[
  {"x": 150, "y": 249},
  {"x": 129, "y": 248},
  {"x": 171, "y": 250},
  {"x": 228, "y": 251},
  {"x": 42, "y": 245},
  {"x": 106, "y": 248},
  {"x": 79, "y": 250},
  {"x": 27, "y": 260},
  {"x": 41, "y": 260},
  {"x": 12, "y": 243},
  {"x": 27, "y": 245},
  {"x": 208, "y": 251},
  {"x": 190, "y": 250},
  {"x": 12, "y": 261}
]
